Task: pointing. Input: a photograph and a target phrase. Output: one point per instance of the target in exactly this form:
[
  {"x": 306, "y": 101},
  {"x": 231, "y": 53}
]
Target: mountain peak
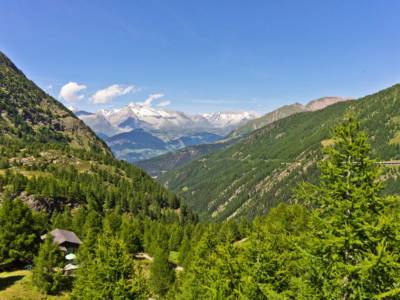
[
  {"x": 7, "y": 63},
  {"x": 24, "y": 117},
  {"x": 323, "y": 102},
  {"x": 136, "y": 115}
]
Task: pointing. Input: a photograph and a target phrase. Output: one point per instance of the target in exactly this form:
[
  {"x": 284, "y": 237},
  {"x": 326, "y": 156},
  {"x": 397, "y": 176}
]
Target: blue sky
[{"x": 203, "y": 56}]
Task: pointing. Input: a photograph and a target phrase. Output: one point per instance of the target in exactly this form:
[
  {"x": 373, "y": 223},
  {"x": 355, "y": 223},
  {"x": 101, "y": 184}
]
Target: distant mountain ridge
[
  {"x": 135, "y": 116},
  {"x": 284, "y": 112},
  {"x": 323, "y": 102},
  {"x": 167, "y": 162},
  {"x": 159, "y": 165},
  {"x": 158, "y": 130},
  {"x": 139, "y": 144}
]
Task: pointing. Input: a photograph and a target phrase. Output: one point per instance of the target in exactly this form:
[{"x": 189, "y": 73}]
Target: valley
[
  {"x": 199, "y": 150},
  {"x": 263, "y": 169}
]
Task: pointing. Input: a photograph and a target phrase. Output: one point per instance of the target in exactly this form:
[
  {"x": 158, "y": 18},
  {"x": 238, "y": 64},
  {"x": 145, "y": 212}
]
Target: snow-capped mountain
[
  {"x": 139, "y": 131},
  {"x": 133, "y": 116},
  {"x": 229, "y": 119}
]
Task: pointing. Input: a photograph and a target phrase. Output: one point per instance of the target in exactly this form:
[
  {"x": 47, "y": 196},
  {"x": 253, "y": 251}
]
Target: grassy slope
[
  {"x": 262, "y": 170},
  {"x": 17, "y": 285},
  {"x": 268, "y": 118},
  {"x": 29, "y": 113}
]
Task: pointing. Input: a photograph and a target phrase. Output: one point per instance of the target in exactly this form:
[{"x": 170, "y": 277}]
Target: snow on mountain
[
  {"x": 139, "y": 131},
  {"x": 224, "y": 119},
  {"x": 134, "y": 115},
  {"x": 99, "y": 124}
]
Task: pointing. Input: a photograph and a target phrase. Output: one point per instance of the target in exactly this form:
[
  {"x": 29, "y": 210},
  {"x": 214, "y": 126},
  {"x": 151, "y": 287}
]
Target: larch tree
[
  {"x": 354, "y": 246},
  {"x": 162, "y": 272},
  {"x": 109, "y": 273},
  {"x": 47, "y": 273}
]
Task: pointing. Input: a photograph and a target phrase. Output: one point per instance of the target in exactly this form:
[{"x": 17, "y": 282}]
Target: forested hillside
[
  {"x": 55, "y": 173},
  {"x": 250, "y": 177},
  {"x": 338, "y": 242},
  {"x": 51, "y": 159},
  {"x": 160, "y": 164}
]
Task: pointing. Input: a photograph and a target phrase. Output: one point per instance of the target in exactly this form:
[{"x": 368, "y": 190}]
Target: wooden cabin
[{"x": 67, "y": 240}]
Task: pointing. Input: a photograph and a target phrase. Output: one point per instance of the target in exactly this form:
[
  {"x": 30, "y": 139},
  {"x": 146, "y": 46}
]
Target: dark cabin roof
[{"x": 61, "y": 236}]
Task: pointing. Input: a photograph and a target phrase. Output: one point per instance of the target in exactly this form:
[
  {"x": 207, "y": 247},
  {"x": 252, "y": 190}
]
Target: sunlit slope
[
  {"x": 52, "y": 160},
  {"x": 263, "y": 169}
]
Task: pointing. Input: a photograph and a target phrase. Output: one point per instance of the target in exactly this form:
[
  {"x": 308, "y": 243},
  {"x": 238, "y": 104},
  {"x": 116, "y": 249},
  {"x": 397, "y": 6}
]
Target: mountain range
[
  {"x": 264, "y": 167},
  {"x": 139, "y": 131},
  {"x": 161, "y": 164},
  {"x": 134, "y": 115},
  {"x": 284, "y": 112}
]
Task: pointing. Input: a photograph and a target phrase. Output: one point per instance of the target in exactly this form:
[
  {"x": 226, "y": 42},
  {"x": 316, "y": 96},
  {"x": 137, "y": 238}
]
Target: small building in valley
[{"x": 67, "y": 240}]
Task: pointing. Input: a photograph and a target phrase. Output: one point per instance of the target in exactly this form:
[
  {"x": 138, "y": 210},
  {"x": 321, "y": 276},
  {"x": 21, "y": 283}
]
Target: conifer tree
[
  {"x": 19, "y": 233},
  {"x": 354, "y": 253},
  {"x": 130, "y": 233},
  {"x": 47, "y": 272},
  {"x": 162, "y": 272},
  {"x": 109, "y": 273},
  {"x": 184, "y": 250}
]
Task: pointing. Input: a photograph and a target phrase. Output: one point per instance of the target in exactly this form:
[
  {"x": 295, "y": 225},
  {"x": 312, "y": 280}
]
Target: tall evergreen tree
[
  {"x": 47, "y": 272},
  {"x": 354, "y": 253},
  {"x": 184, "y": 250},
  {"x": 109, "y": 273},
  {"x": 19, "y": 233},
  {"x": 162, "y": 272},
  {"x": 130, "y": 233}
]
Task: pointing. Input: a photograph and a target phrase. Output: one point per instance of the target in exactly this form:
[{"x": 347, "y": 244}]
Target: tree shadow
[{"x": 6, "y": 282}]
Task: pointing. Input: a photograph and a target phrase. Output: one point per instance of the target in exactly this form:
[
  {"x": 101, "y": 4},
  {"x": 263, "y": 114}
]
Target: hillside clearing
[{"x": 17, "y": 285}]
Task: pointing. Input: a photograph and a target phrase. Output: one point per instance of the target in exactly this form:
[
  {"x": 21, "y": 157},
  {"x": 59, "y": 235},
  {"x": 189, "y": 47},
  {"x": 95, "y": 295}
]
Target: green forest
[
  {"x": 338, "y": 240},
  {"x": 336, "y": 237}
]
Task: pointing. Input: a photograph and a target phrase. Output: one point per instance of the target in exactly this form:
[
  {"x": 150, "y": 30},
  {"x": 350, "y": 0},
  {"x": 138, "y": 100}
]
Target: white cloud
[
  {"x": 150, "y": 99},
  {"x": 164, "y": 103},
  {"x": 70, "y": 92},
  {"x": 110, "y": 93}
]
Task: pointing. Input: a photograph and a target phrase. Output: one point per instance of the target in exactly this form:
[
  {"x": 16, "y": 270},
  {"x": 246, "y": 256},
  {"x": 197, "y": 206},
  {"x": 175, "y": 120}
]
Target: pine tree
[
  {"x": 109, "y": 273},
  {"x": 47, "y": 272},
  {"x": 19, "y": 233},
  {"x": 354, "y": 253},
  {"x": 184, "y": 250},
  {"x": 162, "y": 272},
  {"x": 130, "y": 233}
]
